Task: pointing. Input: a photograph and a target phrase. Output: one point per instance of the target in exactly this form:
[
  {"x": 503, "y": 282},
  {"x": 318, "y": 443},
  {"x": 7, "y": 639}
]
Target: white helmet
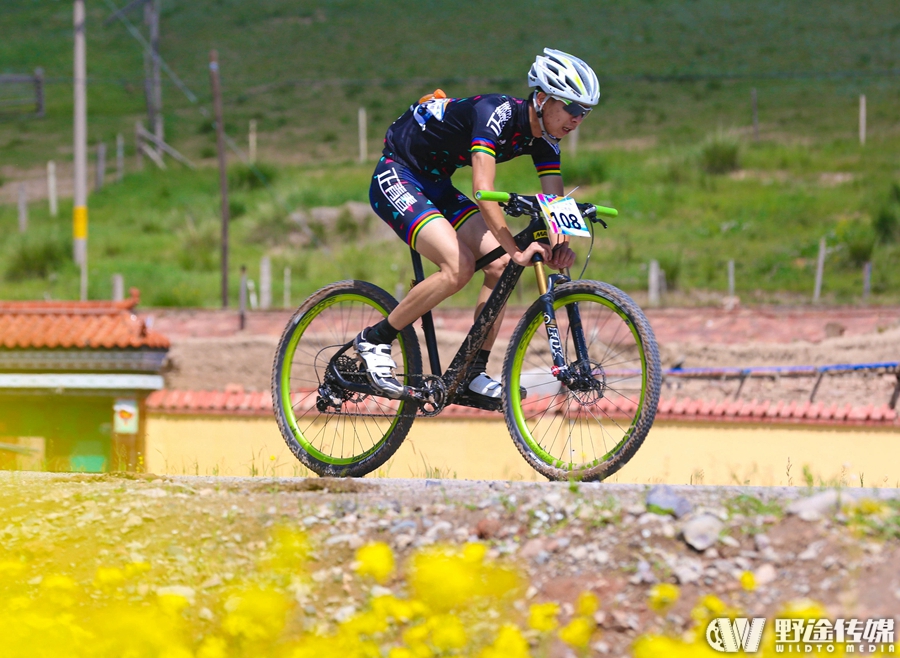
[{"x": 564, "y": 76}]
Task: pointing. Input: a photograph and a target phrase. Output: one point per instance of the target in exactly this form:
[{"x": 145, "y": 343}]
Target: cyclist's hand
[
  {"x": 523, "y": 258},
  {"x": 562, "y": 258}
]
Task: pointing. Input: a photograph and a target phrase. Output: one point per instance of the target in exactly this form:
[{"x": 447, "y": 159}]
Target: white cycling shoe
[
  {"x": 379, "y": 367},
  {"x": 485, "y": 385}
]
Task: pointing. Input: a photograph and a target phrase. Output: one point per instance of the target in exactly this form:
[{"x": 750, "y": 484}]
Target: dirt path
[{"x": 207, "y": 540}]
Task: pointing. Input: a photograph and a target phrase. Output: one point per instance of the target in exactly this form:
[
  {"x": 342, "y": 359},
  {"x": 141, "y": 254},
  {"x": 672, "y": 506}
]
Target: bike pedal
[{"x": 476, "y": 401}]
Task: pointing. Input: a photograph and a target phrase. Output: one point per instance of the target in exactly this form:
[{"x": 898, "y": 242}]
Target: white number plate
[{"x": 562, "y": 215}]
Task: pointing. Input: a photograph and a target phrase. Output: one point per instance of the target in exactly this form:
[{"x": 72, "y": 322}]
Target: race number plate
[{"x": 562, "y": 215}]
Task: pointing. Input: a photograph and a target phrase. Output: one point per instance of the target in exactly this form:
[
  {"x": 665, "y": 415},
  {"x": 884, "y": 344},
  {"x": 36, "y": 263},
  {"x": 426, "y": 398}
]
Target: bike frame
[{"x": 455, "y": 375}]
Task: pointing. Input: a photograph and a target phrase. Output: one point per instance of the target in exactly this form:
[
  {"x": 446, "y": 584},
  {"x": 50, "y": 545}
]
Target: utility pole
[
  {"x": 79, "y": 211},
  {"x": 148, "y": 68},
  {"x": 157, "y": 126},
  {"x": 223, "y": 174}
]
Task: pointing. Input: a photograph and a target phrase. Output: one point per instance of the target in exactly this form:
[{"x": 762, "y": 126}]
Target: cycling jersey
[
  {"x": 438, "y": 137},
  {"x": 411, "y": 184}
]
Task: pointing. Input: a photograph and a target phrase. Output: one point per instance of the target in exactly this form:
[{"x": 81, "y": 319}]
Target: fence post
[
  {"x": 265, "y": 283},
  {"x": 39, "y": 92},
  {"x": 653, "y": 283},
  {"x": 252, "y": 141},
  {"x": 731, "y": 278},
  {"x": 138, "y": 151},
  {"x": 242, "y": 300},
  {"x": 287, "y": 287},
  {"x": 51, "y": 188},
  {"x": 820, "y": 270},
  {"x": 120, "y": 158},
  {"x": 862, "y": 119},
  {"x": 118, "y": 286},
  {"x": 23, "y": 208},
  {"x": 101, "y": 166},
  {"x": 363, "y": 154},
  {"x": 867, "y": 280},
  {"x": 755, "y": 116}
]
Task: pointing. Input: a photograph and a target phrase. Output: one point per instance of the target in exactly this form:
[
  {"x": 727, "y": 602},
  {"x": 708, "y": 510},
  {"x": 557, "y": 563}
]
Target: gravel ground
[{"x": 839, "y": 548}]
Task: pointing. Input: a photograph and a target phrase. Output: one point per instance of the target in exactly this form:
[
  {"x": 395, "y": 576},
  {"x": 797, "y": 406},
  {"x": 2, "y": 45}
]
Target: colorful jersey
[{"x": 439, "y": 136}]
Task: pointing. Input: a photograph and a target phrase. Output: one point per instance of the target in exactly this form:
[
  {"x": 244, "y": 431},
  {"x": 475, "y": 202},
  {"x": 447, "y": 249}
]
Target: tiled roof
[
  {"x": 59, "y": 324},
  {"x": 239, "y": 403}
]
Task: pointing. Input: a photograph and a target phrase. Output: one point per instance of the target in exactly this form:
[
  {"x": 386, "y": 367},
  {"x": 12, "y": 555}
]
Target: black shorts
[{"x": 407, "y": 202}]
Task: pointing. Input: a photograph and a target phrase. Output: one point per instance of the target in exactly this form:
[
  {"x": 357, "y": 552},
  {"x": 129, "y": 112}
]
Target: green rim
[
  {"x": 516, "y": 399},
  {"x": 285, "y": 380}
]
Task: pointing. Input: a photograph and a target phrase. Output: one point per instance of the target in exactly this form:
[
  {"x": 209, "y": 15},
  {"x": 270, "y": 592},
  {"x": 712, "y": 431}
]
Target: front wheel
[
  {"x": 589, "y": 429},
  {"x": 332, "y": 431}
]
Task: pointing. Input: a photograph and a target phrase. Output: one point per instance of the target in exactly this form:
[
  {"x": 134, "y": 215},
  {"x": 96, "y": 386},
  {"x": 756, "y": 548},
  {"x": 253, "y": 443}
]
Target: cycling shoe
[{"x": 379, "y": 367}]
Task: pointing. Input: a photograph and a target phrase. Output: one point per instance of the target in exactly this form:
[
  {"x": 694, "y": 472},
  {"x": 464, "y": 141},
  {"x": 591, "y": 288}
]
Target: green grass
[
  {"x": 659, "y": 151},
  {"x": 161, "y": 229}
]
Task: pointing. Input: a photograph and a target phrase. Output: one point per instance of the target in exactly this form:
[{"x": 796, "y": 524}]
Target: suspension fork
[
  {"x": 556, "y": 351},
  {"x": 549, "y": 313}
]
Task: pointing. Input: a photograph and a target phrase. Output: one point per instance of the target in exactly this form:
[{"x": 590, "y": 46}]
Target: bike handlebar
[
  {"x": 488, "y": 195},
  {"x": 504, "y": 197}
]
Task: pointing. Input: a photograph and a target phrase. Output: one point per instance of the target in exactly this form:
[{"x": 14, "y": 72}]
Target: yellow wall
[{"x": 482, "y": 449}]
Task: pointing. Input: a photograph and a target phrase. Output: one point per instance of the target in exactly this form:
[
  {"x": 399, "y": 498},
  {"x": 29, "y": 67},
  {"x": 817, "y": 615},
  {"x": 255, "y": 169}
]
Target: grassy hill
[{"x": 674, "y": 76}]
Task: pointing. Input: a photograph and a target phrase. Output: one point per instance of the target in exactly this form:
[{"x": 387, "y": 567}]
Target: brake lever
[{"x": 594, "y": 217}]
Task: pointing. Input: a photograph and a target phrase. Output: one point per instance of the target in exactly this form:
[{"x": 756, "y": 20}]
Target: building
[{"x": 74, "y": 377}]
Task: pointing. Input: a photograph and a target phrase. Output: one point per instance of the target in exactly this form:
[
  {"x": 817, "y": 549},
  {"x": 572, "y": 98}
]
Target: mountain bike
[{"x": 581, "y": 376}]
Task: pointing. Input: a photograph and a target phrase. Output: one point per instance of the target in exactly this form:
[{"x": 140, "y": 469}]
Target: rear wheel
[
  {"x": 589, "y": 430},
  {"x": 342, "y": 433}
]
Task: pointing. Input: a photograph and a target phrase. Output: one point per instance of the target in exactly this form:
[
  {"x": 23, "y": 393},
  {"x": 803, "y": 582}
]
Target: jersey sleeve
[
  {"x": 492, "y": 116},
  {"x": 546, "y": 159}
]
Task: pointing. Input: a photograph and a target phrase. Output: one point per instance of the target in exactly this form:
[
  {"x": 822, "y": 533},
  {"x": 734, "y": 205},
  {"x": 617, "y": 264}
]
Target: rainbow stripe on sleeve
[
  {"x": 548, "y": 169},
  {"x": 482, "y": 145}
]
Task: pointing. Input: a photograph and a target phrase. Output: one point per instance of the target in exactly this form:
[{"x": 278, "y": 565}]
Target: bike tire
[
  {"x": 368, "y": 429},
  {"x": 618, "y": 412}
]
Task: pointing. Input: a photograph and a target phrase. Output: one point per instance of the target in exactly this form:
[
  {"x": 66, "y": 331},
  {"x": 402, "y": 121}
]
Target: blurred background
[{"x": 727, "y": 131}]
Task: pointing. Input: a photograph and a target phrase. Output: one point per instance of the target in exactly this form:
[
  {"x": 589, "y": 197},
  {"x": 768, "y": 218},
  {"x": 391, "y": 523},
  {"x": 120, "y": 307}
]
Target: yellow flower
[
  {"x": 108, "y": 577},
  {"x": 290, "y": 548},
  {"x": 400, "y": 652},
  {"x": 133, "y": 569},
  {"x": 869, "y": 507},
  {"x": 57, "y": 581},
  {"x": 255, "y": 614},
  {"x": 11, "y": 568},
  {"x": 446, "y": 578},
  {"x": 577, "y": 633},
  {"x": 587, "y": 604},
  {"x": 542, "y": 617},
  {"x": 376, "y": 560},
  {"x": 663, "y": 596},
  {"x": 748, "y": 581},
  {"x": 509, "y": 644},
  {"x": 213, "y": 647},
  {"x": 707, "y": 608},
  {"x": 447, "y": 632}
]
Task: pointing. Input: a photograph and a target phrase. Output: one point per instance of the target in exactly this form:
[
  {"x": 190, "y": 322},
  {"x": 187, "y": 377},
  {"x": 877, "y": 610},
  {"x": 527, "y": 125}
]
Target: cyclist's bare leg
[
  {"x": 440, "y": 244},
  {"x": 475, "y": 234}
]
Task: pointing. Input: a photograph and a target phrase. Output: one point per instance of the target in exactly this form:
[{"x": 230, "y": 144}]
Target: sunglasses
[{"x": 575, "y": 109}]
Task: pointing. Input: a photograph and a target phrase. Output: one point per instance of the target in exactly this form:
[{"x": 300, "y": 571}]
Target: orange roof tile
[
  {"x": 61, "y": 324},
  {"x": 237, "y": 402}
]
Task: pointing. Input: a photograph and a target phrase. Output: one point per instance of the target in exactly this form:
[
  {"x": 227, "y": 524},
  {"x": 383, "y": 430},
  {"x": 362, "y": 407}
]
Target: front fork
[{"x": 560, "y": 368}]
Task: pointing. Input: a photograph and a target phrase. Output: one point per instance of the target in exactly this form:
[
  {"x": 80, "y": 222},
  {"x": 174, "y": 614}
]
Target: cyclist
[{"x": 412, "y": 191}]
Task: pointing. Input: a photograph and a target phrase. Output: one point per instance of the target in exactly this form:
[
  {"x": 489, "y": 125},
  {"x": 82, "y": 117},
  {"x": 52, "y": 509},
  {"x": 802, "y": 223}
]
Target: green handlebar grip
[
  {"x": 609, "y": 212},
  {"x": 487, "y": 195}
]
